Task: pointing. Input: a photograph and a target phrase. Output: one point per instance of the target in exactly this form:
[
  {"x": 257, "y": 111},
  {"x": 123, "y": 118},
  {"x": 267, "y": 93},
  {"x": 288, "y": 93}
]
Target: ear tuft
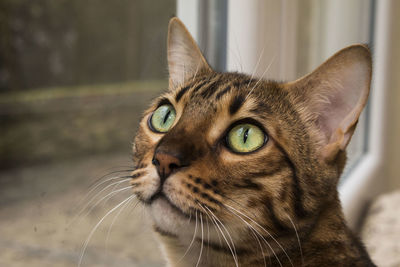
[
  {"x": 335, "y": 94},
  {"x": 184, "y": 56}
]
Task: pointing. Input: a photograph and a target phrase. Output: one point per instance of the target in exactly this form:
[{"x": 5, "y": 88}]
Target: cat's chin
[{"x": 166, "y": 216}]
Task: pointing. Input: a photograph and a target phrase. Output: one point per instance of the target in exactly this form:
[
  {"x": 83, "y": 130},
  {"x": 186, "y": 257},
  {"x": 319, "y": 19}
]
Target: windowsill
[{"x": 358, "y": 189}]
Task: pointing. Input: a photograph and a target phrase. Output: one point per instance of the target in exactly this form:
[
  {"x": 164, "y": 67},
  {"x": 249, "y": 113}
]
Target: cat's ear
[
  {"x": 334, "y": 95},
  {"x": 184, "y": 56}
]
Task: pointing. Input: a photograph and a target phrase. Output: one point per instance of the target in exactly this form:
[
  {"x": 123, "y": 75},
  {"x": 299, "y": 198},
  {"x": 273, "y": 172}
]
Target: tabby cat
[{"x": 238, "y": 171}]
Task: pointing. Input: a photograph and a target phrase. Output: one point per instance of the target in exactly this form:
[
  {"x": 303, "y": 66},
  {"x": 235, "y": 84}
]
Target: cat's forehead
[{"x": 224, "y": 92}]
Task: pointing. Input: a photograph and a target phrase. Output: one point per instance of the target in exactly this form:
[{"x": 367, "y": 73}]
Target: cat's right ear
[
  {"x": 184, "y": 56},
  {"x": 334, "y": 95}
]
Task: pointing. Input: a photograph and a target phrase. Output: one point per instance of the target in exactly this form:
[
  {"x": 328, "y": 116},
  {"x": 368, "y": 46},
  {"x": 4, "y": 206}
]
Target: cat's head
[{"x": 231, "y": 148}]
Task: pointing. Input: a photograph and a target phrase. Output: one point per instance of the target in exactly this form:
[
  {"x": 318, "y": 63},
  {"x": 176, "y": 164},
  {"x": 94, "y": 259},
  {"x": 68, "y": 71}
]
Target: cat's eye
[
  {"x": 162, "y": 118},
  {"x": 245, "y": 138}
]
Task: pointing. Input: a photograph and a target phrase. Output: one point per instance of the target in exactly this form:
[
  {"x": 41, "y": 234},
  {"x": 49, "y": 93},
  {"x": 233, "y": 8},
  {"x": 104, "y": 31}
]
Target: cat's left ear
[
  {"x": 184, "y": 56},
  {"x": 334, "y": 96}
]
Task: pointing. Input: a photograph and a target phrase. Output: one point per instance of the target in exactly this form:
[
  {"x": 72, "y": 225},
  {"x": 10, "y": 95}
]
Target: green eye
[
  {"x": 163, "y": 118},
  {"x": 244, "y": 138}
]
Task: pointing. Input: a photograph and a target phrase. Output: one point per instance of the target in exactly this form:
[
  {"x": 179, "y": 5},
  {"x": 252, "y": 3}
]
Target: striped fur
[{"x": 277, "y": 206}]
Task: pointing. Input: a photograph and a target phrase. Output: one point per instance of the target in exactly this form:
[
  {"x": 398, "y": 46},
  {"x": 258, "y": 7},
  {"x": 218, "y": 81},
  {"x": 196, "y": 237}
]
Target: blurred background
[
  {"x": 75, "y": 77},
  {"x": 68, "y": 69}
]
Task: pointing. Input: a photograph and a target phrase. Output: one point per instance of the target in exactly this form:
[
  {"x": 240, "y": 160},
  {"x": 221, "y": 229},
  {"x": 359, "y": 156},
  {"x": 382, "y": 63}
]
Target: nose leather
[{"x": 166, "y": 164}]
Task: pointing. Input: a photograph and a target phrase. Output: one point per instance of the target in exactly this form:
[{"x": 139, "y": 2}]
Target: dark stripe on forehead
[
  {"x": 239, "y": 84},
  {"x": 210, "y": 90},
  {"x": 235, "y": 84},
  {"x": 198, "y": 86},
  {"x": 186, "y": 88},
  {"x": 236, "y": 103},
  {"x": 246, "y": 82},
  {"x": 224, "y": 91},
  {"x": 181, "y": 93}
]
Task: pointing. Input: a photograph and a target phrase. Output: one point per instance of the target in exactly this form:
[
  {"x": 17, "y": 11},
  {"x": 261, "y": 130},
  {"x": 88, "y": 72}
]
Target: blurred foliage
[{"x": 67, "y": 42}]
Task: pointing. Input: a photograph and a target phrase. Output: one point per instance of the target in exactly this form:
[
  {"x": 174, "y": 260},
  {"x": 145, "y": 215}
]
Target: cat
[{"x": 238, "y": 171}]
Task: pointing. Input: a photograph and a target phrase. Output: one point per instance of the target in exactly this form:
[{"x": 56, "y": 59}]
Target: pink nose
[{"x": 165, "y": 164}]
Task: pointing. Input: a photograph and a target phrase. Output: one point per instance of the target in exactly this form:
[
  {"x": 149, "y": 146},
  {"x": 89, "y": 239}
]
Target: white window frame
[
  {"x": 248, "y": 34},
  {"x": 188, "y": 12}
]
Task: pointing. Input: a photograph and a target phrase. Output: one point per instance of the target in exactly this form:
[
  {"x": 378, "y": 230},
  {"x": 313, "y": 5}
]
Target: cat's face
[
  {"x": 245, "y": 152},
  {"x": 213, "y": 166}
]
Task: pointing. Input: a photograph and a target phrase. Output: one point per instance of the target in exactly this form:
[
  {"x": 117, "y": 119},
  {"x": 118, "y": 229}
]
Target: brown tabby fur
[{"x": 276, "y": 206}]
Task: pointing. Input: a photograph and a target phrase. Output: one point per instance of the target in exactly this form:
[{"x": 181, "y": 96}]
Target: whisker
[
  {"x": 108, "y": 174},
  {"x": 265, "y": 230},
  {"x": 100, "y": 183},
  {"x": 226, "y": 240},
  {"x": 191, "y": 243},
  {"x": 97, "y": 225},
  {"x": 111, "y": 194},
  {"x": 215, "y": 227},
  {"x": 256, "y": 67},
  {"x": 261, "y": 77},
  {"x": 238, "y": 55},
  {"x": 226, "y": 230},
  {"x": 98, "y": 193},
  {"x": 202, "y": 240},
  {"x": 208, "y": 237},
  {"x": 134, "y": 207},
  {"x": 195, "y": 74},
  {"x": 259, "y": 243},
  {"x": 298, "y": 240},
  {"x": 255, "y": 231},
  {"x": 190, "y": 217},
  {"x": 79, "y": 213},
  {"x": 109, "y": 179},
  {"x": 114, "y": 220},
  {"x": 116, "y": 187}
]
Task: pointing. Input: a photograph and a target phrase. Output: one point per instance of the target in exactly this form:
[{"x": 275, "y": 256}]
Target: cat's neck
[{"x": 329, "y": 228}]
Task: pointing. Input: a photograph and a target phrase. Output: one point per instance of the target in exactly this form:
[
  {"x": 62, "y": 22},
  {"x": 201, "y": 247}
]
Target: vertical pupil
[
  {"x": 166, "y": 116},
  {"x": 246, "y": 134}
]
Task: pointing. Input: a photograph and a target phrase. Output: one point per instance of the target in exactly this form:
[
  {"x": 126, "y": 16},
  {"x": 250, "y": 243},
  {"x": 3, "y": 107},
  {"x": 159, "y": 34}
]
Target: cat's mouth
[
  {"x": 160, "y": 197},
  {"x": 167, "y": 216}
]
